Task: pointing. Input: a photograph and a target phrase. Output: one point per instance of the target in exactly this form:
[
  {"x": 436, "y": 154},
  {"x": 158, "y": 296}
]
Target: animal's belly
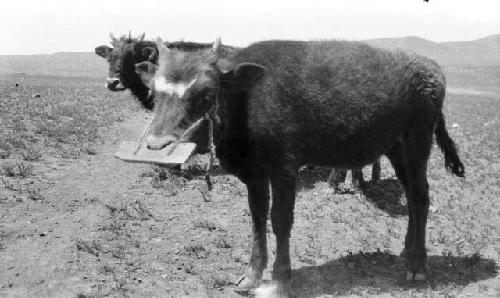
[
  {"x": 347, "y": 155},
  {"x": 341, "y": 143}
]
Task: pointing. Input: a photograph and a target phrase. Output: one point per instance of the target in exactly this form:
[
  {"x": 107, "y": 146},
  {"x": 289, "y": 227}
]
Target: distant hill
[
  {"x": 481, "y": 52},
  {"x": 86, "y": 64}
]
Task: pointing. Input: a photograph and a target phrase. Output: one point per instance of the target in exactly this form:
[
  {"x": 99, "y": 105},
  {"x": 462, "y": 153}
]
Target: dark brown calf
[{"x": 278, "y": 105}]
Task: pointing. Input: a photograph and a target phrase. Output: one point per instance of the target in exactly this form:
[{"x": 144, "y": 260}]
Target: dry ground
[{"x": 75, "y": 222}]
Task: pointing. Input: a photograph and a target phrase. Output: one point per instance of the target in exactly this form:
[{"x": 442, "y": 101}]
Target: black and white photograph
[{"x": 264, "y": 148}]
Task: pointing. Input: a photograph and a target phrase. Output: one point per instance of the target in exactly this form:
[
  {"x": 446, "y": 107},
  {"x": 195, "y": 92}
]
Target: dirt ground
[{"x": 95, "y": 226}]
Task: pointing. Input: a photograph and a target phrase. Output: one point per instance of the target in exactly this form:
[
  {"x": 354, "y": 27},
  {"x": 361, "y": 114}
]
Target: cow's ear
[
  {"x": 242, "y": 77},
  {"x": 103, "y": 51},
  {"x": 149, "y": 53},
  {"x": 146, "y": 71}
]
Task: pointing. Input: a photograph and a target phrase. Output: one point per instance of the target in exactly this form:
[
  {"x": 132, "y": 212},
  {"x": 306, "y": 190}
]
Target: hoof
[
  {"x": 272, "y": 290},
  {"x": 410, "y": 276},
  {"x": 246, "y": 284}
]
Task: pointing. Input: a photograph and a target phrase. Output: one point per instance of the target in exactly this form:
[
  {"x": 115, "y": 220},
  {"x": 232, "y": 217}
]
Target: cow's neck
[
  {"x": 132, "y": 80},
  {"x": 142, "y": 93}
]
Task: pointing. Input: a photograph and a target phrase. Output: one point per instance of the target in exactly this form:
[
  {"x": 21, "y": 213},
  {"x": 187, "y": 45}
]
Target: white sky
[{"x": 47, "y": 26}]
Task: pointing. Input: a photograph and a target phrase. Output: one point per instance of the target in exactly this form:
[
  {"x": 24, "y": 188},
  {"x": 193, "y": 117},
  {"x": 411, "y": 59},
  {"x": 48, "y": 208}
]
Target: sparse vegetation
[
  {"x": 205, "y": 224},
  {"x": 18, "y": 169},
  {"x": 67, "y": 116},
  {"x": 220, "y": 280}
]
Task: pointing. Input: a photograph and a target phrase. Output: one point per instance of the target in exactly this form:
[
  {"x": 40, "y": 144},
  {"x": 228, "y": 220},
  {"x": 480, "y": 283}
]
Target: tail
[{"x": 451, "y": 160}]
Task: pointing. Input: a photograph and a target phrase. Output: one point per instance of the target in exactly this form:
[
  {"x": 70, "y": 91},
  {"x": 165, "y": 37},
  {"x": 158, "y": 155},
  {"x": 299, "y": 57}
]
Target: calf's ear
[
  {"x": 146, "y": 71},
  {"x": 242, "y": 77},
  {"x": 103, "y": 51}
]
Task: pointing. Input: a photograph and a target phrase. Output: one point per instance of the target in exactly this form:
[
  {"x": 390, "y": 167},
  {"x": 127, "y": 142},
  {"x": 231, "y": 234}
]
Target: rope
[
  {"x": 211, "y": 146},
  {"x": 143, "y": 136},
  {"x": 185, "y": 136}
]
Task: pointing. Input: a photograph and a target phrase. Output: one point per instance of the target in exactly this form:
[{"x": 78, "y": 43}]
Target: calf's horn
[{"x": 161, "y": 46}]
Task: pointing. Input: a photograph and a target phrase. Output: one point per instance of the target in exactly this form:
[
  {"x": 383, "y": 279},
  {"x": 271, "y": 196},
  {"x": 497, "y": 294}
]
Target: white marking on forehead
[{"x": 170, "y": 88}]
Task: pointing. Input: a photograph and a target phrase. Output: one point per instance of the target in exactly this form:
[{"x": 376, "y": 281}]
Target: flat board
[{"x": 180, "y": 154}]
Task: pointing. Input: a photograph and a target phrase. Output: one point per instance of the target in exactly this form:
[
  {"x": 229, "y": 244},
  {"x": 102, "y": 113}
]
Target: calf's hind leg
[
  {"x": 418, "y": 145},
  {"x": 397, "y": 158}
]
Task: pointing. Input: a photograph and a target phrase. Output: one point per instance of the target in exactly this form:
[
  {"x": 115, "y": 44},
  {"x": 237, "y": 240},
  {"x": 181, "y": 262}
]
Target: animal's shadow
[
  {"x": 386, "y": 195},
  {"x": 381, "y": 272}
]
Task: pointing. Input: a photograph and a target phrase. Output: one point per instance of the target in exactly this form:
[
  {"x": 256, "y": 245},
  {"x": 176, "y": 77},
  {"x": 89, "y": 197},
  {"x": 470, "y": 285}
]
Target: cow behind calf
[{"x": 277, "y": 105}]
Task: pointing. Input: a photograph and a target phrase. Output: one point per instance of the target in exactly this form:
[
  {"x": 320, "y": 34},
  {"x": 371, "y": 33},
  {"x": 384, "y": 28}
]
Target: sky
[{"x": 48, "y": 26}]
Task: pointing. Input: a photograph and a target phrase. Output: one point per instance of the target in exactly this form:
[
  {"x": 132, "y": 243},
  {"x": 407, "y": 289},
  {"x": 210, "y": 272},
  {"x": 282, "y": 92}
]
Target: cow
[
  {"x": 277, "y": 105},
  {"x": 127, "y": 51},
  {"x": 122, "y": 56}
]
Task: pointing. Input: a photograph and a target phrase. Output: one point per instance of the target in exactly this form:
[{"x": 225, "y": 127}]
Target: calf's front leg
[
  {"x": 258, "y": 201},
  {"x": 283, "y": 190}
]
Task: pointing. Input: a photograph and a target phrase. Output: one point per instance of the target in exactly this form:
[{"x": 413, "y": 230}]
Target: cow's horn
[
  {"x": 141, "y": 36},
  {"x": 113, "y": 38}
]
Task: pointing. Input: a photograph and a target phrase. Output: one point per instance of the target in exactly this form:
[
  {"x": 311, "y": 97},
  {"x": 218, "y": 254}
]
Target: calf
[{"x": 277, "y": 105}]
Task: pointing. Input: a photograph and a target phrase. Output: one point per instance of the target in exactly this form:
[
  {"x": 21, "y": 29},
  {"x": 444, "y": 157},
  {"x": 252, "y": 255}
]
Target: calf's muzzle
[{"x": 155, "y": 142}]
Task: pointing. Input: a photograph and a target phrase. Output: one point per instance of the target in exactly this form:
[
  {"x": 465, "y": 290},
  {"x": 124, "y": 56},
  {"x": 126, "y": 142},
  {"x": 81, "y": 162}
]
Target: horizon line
[{"x": 312, "y": 39}]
